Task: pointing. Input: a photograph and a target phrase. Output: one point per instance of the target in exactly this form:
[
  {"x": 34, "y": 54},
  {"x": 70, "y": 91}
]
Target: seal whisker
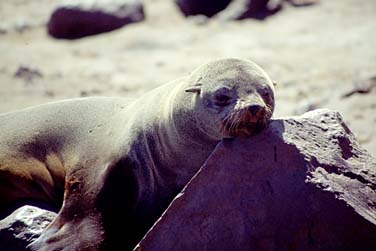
[{"x": 235, "y": 121}]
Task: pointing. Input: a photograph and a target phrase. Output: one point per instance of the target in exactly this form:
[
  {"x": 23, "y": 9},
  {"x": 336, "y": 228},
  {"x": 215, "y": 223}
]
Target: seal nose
[{"x": 253, "y": 109}]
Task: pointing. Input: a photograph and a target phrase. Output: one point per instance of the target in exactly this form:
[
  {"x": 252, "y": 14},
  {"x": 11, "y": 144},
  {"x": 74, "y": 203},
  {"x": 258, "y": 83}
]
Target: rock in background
[
  {"x": 201, "y": 7},
  {"x": 236, "y": 9},
  {"x": 76, "y": 19},
  {"x": 241, "y": 9},
  {"x": 22, "y": 227},
  {"x": 303, "y": 184}
]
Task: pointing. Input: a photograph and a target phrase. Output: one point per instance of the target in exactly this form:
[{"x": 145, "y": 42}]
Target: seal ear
[
  {"x": 274, "y": 83},
  {"x": 195, "y": 89}
]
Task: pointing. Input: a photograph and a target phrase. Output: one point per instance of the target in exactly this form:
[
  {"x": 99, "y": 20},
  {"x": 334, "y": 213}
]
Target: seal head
[{"x": 236, "y": 98}]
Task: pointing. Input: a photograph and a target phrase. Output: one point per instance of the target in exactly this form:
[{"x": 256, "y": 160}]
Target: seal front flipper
[
  {"x": 116, "y": 201},
  {"x": 78, "y": 225},
  {"x": 67, "y": 235},
  {"x": 99, "y": 211}
]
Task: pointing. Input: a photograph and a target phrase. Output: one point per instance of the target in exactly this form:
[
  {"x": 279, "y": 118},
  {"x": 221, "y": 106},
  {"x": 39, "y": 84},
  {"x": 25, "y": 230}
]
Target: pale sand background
[{"x": 315, "y": 53}]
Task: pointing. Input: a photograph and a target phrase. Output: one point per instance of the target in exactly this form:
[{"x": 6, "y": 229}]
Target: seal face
[
  {"x": 248, "y": 113},
  {"x": 119, "y": 162},
  {"x": 238, "y": 94}
]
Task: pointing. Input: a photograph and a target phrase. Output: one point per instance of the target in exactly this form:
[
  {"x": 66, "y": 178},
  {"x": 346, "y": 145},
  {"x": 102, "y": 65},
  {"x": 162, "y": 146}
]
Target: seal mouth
[{"x": 242, "y": 123}]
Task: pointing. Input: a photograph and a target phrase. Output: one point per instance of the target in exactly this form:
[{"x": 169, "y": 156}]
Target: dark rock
[
  {"x": 76, "y": 19},
  {"x": 201, "y": 7},
  {"x": 361, "y": 87},
  {"x": 242, "y": 9},
  {"x": 302, "y": 184},
  {"x": 302, "y": 3},
  {"x": 22, "y": 227},
  {"x": 236, "y": 9},
  {"x": 229, "y": 9},
  {"x": 27, "y": 74}
]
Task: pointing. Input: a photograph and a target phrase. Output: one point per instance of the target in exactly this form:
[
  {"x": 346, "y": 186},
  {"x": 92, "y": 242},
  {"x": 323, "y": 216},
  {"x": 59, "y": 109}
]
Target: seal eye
[
  {"x": 222, "y": 100},
  {"x": 265, "y": 93}
]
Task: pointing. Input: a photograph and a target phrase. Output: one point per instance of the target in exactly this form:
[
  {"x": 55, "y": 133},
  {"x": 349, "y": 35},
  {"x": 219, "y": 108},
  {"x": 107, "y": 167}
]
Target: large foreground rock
[
  {"x": 303, "y": 184},
  {"x": 76, "y": 19},
  {"x": 22, "y": 227}
]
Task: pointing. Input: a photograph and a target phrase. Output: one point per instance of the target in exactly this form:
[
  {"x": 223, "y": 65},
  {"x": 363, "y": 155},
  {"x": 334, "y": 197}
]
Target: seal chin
[
  {"x": 244, "y": 131},
  {"x": 243, "y": 124},
  {"x": 249, "y": 129}
]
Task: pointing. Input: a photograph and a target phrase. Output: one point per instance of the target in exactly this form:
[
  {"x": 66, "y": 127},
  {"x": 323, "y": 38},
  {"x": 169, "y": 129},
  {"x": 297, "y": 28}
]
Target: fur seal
[{"x": 115, "y": 164}]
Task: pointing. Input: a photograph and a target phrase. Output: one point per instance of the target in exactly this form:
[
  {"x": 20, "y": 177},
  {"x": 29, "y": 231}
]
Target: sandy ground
[{"x": 316, "y": 54}]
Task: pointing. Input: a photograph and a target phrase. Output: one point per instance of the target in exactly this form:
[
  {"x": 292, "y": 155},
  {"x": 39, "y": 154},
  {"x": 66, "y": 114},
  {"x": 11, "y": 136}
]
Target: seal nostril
[{"x": 253, "y": 109}]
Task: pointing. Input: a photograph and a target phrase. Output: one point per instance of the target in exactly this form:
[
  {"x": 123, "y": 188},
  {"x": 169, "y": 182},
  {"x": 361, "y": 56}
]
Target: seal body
[{"x": 115, "y": 164}]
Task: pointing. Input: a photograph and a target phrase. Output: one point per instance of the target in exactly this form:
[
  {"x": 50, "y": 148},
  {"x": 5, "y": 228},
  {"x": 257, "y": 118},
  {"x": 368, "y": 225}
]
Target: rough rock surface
[
  {"x": 22, "y": 227},
  {"x": 76, "y": 19},
  {"x": 303, "y": 184}
]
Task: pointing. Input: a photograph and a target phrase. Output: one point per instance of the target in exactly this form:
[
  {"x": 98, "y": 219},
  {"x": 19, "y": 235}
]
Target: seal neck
[
  {"x": 180, "y": 135},
  {"x": 182, "y": 116}
]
